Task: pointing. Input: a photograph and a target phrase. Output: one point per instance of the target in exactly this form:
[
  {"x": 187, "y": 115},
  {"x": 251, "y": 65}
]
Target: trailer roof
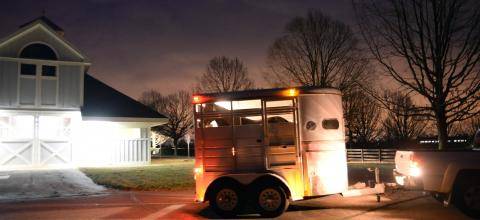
[{"x": 274, "y": 92}]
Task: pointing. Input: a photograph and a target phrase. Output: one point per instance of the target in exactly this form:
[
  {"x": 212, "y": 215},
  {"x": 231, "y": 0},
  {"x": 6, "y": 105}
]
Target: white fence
[
  {"x": 132, "y": 151},
  {"x": 371, "y": 155}
]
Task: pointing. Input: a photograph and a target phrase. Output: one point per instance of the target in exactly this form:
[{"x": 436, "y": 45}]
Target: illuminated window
[
  {"x": 223, "y": 106},
  {"x": 281, "y": 129},
  {"x": 280, "y": 103},
  {"x": 247, "y": 104},
  {"x": 248, "y": 120},
  {"x": 280, "y": 118},
  {"x": 331, "y": 123},
  {"x": 216, "y": 122}
]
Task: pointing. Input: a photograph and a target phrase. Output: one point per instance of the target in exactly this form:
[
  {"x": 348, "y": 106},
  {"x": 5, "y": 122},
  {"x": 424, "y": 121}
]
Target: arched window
[{"x": 38, "y": 51}]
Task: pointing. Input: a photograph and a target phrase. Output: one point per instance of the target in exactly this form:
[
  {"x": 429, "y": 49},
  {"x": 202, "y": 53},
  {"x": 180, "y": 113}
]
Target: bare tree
[
  {"x": 467, "y": 127},
  {"x": 401, "y": 122},
  {"x": 152, "y": 99},
  {"x": 362, "y": 116},
  {"x": 224, "y": 74},
  {"x": 177, "y": 107},
  {"x": 431, "y": 47},
  {"x": 316, "y": 51}
]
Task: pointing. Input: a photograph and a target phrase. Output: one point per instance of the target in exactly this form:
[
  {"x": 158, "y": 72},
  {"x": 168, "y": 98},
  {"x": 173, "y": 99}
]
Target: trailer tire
[
  {"x": 466, "y": 194},
  {"x": 271, "y": 201},
  {"x": 227, "y": 199}
]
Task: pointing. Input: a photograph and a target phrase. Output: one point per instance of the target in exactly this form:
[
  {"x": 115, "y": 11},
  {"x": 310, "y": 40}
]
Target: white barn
[{"x": 54, "y": 114}]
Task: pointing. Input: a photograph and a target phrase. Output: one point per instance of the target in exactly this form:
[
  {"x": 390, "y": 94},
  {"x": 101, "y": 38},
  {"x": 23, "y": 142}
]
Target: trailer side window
[
  {"x": 248, "y": 120},
  {"x": 215, "y": 122},
  {"x": 281, "y": 129},
  {"x": 331, "y": 123},
  {"x": 222, "y": 106},
  {"x": 280, "y": 103},
  {"x": 247, "y": 104}
]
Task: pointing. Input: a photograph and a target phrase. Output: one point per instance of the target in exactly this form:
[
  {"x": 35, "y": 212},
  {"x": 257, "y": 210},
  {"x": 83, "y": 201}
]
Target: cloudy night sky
[{"x": 164, "y": 45}]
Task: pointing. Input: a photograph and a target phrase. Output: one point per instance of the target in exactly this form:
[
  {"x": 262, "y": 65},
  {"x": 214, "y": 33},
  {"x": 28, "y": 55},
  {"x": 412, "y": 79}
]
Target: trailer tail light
[{"x": 197, "y": 171}]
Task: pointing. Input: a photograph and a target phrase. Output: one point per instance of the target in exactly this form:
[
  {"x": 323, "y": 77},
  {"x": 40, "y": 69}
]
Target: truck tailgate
[{"x": 403, "y": 161}]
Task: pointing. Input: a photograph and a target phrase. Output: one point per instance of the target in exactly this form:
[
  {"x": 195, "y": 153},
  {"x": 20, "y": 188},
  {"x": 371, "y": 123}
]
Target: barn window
[
  {"x": 38, "y": 51},
  {"x": 49, "y": 71},
  {"x": 28, "y": 69}
]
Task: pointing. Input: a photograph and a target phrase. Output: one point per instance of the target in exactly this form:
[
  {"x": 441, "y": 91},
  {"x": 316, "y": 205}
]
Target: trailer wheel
[
  {"x": 466, "y": 195},
  {"x": 227, "y": 199},
  {"x": 271, "y": 201}
]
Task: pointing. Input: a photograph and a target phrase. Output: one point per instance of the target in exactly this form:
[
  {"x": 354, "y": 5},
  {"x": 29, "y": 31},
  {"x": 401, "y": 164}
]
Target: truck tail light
[{"x": 415, "y": 169}]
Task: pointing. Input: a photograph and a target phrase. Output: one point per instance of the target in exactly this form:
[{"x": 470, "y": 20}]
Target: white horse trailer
[{"x": 268, "y": 147}]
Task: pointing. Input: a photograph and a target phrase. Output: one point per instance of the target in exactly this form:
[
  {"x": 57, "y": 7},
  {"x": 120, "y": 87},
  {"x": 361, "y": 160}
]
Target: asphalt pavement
[{"x": 396, "y": 204}]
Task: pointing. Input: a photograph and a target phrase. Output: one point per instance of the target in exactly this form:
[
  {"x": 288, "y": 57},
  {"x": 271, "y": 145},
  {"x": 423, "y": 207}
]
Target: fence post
[{"x": 361, "y": 152}]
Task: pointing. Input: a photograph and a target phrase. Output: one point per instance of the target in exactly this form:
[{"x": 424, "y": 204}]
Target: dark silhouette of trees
[
  {"x": 431, "y": 48},
  {"x": 362, "y": 116},
  {"x": 177, "y": 107},
  {"x": 401, "y": 124},
  {"x": 224, "y": 74},
  {"x": 316, "y": 51}
]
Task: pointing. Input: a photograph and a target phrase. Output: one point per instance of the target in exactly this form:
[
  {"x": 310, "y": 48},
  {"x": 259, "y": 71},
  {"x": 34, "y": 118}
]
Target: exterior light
[
  {"x": 197, "y": 171},
  {"x": 415, "y": 170},
  {"x": 197, "y": 99},
  {"x": 291, "y": 92}
]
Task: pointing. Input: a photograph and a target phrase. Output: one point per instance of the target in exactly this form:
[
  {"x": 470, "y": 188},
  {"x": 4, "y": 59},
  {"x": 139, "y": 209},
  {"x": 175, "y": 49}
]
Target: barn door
[
  {"x": 54, "y": 145},
  {"x": 17, "y": 140}
]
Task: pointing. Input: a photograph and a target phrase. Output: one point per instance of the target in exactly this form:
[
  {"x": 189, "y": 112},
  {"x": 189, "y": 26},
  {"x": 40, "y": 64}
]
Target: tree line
[{"x": 430, "y": 50}]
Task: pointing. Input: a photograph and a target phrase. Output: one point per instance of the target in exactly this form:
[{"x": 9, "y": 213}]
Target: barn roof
[{"x": 101, "y": 100}]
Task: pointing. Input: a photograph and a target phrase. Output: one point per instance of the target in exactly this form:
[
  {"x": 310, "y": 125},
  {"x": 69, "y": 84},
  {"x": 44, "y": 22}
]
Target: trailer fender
[{"x": 275, "y": 179}]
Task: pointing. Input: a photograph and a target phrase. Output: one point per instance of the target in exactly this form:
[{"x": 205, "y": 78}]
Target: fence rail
[
  {"x": 132, "y": 151},
  {"x": 371, "y": 155}
]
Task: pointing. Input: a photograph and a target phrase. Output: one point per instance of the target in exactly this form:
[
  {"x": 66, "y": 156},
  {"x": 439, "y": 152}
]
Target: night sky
[{"x": 164, "y": 45}]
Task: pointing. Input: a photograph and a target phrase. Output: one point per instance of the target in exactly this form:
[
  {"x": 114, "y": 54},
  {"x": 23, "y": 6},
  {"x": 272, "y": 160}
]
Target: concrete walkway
[{"x": 35, "y": 184}]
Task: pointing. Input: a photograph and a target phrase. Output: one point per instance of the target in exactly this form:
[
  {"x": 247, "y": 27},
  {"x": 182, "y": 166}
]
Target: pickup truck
[{"x": 454, "y": 175}]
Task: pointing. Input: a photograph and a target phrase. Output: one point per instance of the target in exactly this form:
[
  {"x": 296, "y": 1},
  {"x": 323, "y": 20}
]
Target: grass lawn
[
  {"x": 177, "y": 174},
  {"x": 162, "y": 174}
]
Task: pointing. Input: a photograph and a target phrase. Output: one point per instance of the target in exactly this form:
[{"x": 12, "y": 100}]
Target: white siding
[
  {"x": 27, "y": 91},
  {"x": 12, "y": 49},
  {"x": 49, "y": 92},
  {"x": 8, "y": 83},
  {"x": 69, "y": 86}
]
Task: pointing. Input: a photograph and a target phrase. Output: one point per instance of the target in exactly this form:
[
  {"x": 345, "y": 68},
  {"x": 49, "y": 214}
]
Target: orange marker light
[
  {"x": 196, "y": 99},
  {"x": 291, "y": 92}
]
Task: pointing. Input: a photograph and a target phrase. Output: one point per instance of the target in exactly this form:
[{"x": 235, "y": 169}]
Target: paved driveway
[
  {"x": 34, "y": 184},
  {"x": 180, "y": 205}
]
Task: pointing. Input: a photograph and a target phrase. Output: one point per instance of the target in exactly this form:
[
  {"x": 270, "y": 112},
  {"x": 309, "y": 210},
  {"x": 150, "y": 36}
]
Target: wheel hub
[
  {"x": 227, "y": 199},
  {"x": 269, "y": 199}
]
